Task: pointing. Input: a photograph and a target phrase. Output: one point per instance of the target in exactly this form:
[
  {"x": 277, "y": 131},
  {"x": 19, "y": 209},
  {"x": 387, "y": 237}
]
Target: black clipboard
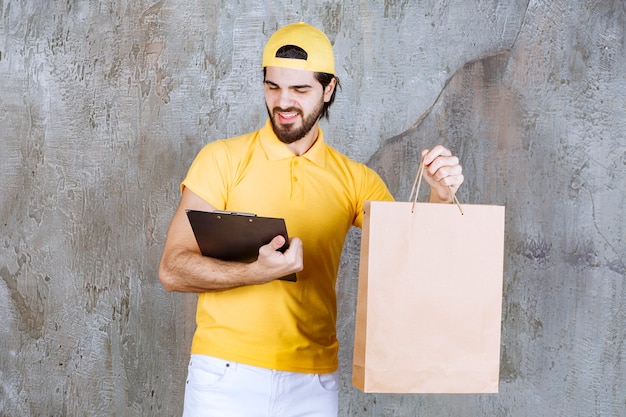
[{"x": 234, "y": 236}]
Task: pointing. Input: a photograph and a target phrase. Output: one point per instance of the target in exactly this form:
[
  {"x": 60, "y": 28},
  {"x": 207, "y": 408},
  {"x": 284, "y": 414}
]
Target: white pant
[{"x": 220, "y": 388}]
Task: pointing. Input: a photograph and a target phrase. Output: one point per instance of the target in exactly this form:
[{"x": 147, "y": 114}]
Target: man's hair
[
  {"x": 325, "y": 79},
  {"x": 295, "y": 52}
]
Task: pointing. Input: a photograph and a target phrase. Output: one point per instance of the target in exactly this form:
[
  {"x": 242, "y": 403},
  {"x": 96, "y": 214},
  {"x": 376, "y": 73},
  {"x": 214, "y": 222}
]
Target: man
[{"x": 264, "y": 346}]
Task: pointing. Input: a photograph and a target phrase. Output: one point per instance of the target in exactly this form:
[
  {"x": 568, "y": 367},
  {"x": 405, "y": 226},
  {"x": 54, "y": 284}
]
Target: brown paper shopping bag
[{"x": 429, "y": 298}]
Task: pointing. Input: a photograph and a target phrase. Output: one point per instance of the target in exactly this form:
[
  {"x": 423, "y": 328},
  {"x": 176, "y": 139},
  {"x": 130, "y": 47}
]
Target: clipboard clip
[{"x": 236, "y": 213}]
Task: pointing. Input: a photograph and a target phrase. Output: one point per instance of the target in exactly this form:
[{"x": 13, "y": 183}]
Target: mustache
[{"x": 287, "y": 110}]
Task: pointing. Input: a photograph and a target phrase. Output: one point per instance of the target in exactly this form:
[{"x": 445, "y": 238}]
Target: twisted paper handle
[{"x": 416, "y": 189}]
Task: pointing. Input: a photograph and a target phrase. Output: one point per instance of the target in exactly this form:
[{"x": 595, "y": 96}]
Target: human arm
[
  {"x": 442, "y": 172},
  {"x": 183, "y": 268}
]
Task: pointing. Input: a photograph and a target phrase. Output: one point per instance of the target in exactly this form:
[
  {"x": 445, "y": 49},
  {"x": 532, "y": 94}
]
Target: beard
[{"x": 290, "y": 133}]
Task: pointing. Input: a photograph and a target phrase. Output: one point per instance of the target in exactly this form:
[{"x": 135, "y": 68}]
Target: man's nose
[{"x": 286, "y": 99}]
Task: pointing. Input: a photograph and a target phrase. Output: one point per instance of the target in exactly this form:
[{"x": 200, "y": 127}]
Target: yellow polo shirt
[{"x": 281, "y": 325}]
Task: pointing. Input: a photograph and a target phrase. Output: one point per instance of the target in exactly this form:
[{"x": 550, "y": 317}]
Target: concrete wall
[{"x": 104, "y": 104}]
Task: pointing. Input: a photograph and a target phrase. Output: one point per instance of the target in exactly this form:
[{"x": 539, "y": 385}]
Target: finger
[
  {"x": 295, "y": 243},
  {"x": 296, "y": 252},
  {"x": 430, "y": 155},
  {"x": 452, "y": 180},
  {"x": 444, "y": 166},
  {"x": 277, "y": 242}
]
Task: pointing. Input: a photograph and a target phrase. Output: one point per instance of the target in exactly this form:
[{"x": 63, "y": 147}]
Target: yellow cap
[{"x": 312, "y": 40}]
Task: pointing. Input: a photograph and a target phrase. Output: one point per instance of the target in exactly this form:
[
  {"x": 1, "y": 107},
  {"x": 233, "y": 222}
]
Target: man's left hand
[{"x": 442, "y": 172}]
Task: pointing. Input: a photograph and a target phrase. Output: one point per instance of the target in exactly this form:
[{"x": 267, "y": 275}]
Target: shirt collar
[{"x": 275, "y": 149}]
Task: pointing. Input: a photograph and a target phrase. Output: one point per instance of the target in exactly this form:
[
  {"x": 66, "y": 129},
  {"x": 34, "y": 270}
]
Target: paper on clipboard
[{"x": 232, "y": 236}]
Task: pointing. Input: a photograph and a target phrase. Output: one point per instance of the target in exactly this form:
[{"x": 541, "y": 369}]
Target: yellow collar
[{"x": 275, "y": 149}]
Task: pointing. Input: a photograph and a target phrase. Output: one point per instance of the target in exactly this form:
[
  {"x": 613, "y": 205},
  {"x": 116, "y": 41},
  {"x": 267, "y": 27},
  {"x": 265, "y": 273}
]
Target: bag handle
[{"x": 416, "y": 189}]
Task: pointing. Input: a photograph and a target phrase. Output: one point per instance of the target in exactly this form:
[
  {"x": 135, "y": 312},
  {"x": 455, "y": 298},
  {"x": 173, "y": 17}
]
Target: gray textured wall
[{"x": 104, "y": 104}]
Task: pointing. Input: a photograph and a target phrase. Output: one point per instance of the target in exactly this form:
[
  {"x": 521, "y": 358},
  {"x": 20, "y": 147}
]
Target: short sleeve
[
  {"x": 372, "y": 188},
  {"x": 209, "y": 174}
]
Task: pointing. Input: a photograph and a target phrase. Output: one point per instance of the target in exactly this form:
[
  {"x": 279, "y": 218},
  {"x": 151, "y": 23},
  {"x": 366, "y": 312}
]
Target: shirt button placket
[{"x": 296, "y": 178}]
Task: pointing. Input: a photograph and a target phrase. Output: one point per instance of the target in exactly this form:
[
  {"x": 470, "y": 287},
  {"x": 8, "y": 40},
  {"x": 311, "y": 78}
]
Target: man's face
[{"x": 295, "y": 101}]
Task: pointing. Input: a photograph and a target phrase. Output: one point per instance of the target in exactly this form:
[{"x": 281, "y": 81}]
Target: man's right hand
[{"x": 276, "y": 264}]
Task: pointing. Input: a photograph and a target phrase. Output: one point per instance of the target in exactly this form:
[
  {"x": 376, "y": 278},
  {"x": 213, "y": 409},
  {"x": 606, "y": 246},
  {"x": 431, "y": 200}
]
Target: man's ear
[{"x": 328, "y": 91}]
